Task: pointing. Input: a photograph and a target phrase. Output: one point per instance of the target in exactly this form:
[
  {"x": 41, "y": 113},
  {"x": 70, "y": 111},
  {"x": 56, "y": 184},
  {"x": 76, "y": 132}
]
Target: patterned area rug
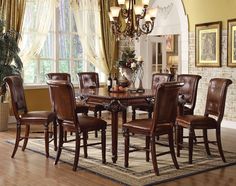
[{"x": 139, "y": 172}]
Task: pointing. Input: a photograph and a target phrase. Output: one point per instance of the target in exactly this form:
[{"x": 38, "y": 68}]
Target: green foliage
[
  {"x": 127, "y": 58},
  {"x": 10, "y": 62}
]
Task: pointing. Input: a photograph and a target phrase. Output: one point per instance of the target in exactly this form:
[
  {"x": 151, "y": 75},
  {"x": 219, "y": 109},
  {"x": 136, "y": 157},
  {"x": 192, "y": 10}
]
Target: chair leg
[
  {"x": 194, "y": 137},
  {"x": 205, "y": 137},
  {"x": 100, "y": 113},
  {"x": 18, "y": 131},
  {"x": 59, "y": 149},
  {"x": 133, "y": 114},
  {"x": 103, "y": 133},
  {"x": 27, "y": 130},
  {"x": 55, "y": 134},
  {"x": 96, "y": 115},
  {"x": 77, "y": 151},
  {"x": 178, "y": 141},
  {"x": 126, "y": 135},
  {"x": 46, "y": 138},
  {"x": 218, "y": 139},
  {"x": 172, "y": 150},
  {"x": 154, "y": 158},
  {"x": 65, "y": 135},
  {"x": 149, "y": 114},
  {"x": 147, "y": 148},
  {"x": 190, "y": 141},
  {"x": 85, "y": 137}
]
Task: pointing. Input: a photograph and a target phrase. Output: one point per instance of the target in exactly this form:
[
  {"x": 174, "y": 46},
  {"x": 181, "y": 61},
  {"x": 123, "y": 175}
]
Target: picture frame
[
  {"x": 169, "y": 43},
  {"x": 231, "y": 43},
  {"x": 208, "y": 44}
]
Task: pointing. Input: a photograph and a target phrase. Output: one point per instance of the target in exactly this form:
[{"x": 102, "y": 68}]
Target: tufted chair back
[
  {"x": 88, "y": 80},
  {"x": 158, "y": 78},
  {"x": 59, "y": 76},
  {"x": 15, "y": 84},
  {"x": 189, "y": 90},
  {"x": 216, "y": 95}
]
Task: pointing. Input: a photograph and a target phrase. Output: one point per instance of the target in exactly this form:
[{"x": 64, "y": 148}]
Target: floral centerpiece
[{"x": 129, "y": 66}]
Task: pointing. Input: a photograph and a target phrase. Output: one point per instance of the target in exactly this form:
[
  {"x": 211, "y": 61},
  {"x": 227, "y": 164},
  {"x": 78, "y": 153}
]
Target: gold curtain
[
  {"x": 12, "y": 11},
  {"x": 110, "y": 45}
]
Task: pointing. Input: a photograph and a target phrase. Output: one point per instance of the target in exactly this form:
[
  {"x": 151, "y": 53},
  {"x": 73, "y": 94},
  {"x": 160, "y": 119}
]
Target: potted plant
[{"x": 10, "y": 64}]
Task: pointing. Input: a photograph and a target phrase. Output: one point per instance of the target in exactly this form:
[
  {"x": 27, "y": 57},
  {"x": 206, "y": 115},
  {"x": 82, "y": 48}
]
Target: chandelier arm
[
  {"x": 143, "y": 13},
  {"x": 147, "y": 27}
]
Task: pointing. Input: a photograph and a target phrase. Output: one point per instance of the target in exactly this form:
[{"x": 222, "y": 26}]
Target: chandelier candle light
[{"x": 138, "y": 19}]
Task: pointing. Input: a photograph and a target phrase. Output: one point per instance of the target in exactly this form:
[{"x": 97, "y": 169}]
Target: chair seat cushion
[
  {"x": 196, "y": 121},
  {"x": 145, "y": 125},
  {"x": 38, "y": 116},
  {"x": 91, "y": 123}
]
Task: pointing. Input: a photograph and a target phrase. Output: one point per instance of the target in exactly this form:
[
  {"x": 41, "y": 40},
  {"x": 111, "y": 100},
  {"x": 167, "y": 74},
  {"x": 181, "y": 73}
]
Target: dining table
[{"x": 115, "y": 102}]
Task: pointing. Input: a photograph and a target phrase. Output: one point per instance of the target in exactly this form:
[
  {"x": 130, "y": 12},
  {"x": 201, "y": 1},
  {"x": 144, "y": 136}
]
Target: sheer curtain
[
  {"x": 37, "y": 21},
  {"x": 87, "y": 18}
]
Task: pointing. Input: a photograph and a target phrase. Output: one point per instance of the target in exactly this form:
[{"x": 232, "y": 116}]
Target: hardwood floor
[{"x": 29, "y": 168}]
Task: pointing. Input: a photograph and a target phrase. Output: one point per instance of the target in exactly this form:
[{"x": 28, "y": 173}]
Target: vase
[{"x": 128, "y": 75}]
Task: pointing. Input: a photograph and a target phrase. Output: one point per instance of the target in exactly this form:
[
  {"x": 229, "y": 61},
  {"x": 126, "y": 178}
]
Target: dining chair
[
  {"x": 164, "y": 115},
  {"x": 81, "y": 107},
  {"x": 157, "y": 78},
  {"x": 28, "y": 118},
  {"x": 214, "y": 112},
  {"x": 63, "y": 97},
  {"x": 189, "y": 93},
  {"x": 91, "y": 80}
]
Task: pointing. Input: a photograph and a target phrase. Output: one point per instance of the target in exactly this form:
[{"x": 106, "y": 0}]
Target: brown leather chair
[
  {"x": 165, "y": 111},
  {"x": 189, "y": 92},
  {"x": 28, "y": 118},
  {"x": 82, "y": 108},
  {"x": 157, "y": 78},
  {"x": 70, "y": 121},
  {"x": 215, "y": 105},
  {"x": 91, "y": 80}
]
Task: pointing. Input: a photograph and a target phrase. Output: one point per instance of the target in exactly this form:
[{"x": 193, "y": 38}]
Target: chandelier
[{"x": 134, "y": 20}]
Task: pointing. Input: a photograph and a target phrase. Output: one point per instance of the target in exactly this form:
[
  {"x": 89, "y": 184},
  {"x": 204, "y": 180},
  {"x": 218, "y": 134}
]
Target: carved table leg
[
  {"x": 114, "y": 107},
  {"x": 114, "y": 135}
]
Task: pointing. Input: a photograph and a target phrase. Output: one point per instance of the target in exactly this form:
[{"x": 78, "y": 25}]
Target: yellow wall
[
  {"x": 37, "y": 99},
  {"x": 202, "y": 11}
]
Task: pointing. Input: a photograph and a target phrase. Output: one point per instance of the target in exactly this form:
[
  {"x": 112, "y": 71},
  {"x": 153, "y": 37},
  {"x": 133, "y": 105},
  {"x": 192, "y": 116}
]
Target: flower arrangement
[
  {"x": 130, "y": 66},
  {"x": 128, "y": 60}
]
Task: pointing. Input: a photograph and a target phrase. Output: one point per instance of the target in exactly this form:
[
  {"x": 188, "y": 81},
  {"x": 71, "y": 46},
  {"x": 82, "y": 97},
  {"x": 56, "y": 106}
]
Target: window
[{"x": 62, "y": 51}]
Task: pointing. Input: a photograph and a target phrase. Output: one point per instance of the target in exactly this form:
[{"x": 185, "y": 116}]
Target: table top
[{"x": 103, "y": 93}]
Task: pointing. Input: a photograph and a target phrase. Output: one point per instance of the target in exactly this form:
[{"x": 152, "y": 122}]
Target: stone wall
[{"x": 207, "y": 73}]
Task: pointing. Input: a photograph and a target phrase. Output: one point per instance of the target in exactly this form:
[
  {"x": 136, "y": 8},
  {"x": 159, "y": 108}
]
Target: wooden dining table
[{"x": 115, "y": 102}]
